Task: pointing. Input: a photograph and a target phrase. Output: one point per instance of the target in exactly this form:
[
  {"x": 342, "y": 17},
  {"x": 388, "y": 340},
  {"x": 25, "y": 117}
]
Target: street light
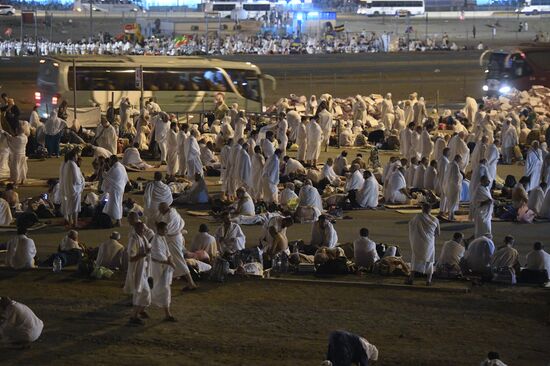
[{"x": 91, "y": 21}]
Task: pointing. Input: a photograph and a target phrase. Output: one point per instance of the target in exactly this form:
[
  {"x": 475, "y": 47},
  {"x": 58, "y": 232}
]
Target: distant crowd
[{"x": 237, "y": 44}]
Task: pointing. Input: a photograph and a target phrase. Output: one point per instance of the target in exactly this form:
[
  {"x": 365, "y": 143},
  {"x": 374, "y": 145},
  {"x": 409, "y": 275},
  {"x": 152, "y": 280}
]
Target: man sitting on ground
[
  {"x": 20, "y": 250},
  {"x": 345, "y": 348},
  {"x": 364, "y": 250},
  {"x": 203, "y": 241},
  {"x": 323, "y": 234},
  {"x": 538, "y": 259},
  {"x": 110, "y": 252},
  {"x": 448, "y": 264},
  {"x": 477, "y": 257},
  {"x": 507, "y": 256},
  {"x": 19, "y": 326}
]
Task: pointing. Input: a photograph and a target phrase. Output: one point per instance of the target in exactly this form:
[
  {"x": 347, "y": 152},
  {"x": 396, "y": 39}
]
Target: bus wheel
[
  {"x": 535, "y": 12},
  {"x": 376, "y": 14}
]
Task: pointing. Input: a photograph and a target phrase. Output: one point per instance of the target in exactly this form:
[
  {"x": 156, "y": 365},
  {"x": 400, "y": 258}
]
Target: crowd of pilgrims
[
  {"x": 228, "y": 45},
  {"x": 270, "y": 175}
]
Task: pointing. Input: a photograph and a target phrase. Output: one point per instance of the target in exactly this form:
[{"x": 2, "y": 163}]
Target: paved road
[{"x": 453, "y": 74}]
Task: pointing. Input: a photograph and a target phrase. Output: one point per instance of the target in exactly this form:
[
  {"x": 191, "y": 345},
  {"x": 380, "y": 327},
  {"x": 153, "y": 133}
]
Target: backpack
[{"x": 220, "y": 269}]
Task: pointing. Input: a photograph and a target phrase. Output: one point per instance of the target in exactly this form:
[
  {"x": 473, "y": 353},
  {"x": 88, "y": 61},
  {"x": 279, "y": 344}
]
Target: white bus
[
  {"x": 109, "y": 6},
  {"x": 535, "y": 7},
  {"x": 179, "y": 84},
  {"x": 239, "y": 10},
  {"x": 391, "y": 7}
]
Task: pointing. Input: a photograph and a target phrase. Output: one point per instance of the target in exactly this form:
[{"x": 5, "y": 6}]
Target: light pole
[{"x": 91, "y": 21}]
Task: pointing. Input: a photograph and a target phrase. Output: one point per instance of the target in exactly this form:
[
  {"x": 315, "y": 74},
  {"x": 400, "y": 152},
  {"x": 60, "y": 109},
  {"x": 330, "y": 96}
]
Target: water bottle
[{"x": 57, "y": 265}]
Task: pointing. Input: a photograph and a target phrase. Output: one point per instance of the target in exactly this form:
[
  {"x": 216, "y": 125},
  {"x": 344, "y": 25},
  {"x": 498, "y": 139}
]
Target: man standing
[
  {"x": 458, "y": 146},
  {"x": 114, "y": 183},
  {"x": 136, "y": 277},
  {"x": 161, "y": 126},
  {"x": 533, "y": 166},
  {"x": 257, "y": 167},
  {"x": 452, "y": 186},
  {"x": 183, "y": 135},
  {"x": 423, "y": 229},
  {"x": 314, "y": 140},
  {"x": 481, "y": 209},
  {"x": 172, "y": 163},
  {"x": 18, "y": 160},
  {"x": 176, "y": 242},
  {"x": 193, "y": 155},
  {"x": 325, "y": 121},
  {"x": 71, "y": 185},
  {"x": 155, "y": 193},
  {"x": 270, "y": 178},
  {"x": 162, "y": 268}
]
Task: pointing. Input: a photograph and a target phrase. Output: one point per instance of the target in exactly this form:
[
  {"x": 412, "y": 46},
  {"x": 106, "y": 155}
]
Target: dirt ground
[{"x": 263, "y": 322}]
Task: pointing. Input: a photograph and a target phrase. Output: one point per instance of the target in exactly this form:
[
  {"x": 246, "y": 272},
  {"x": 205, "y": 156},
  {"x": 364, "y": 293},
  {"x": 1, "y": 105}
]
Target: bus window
[
  {"x": 519, "y": 67},
  {"x": 158, "y": 79},
  {"x": 246, "y": 83},
  {"x": 99, "y": 78}
]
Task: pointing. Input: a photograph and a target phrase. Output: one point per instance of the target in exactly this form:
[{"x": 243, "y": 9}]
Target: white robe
[
  {"x": 106, "y": 137},
  {"x": 545, "y": 207},
  {"x": 20, "y": 324},
  {"x": 480, "y": 171},
  {"x": 492, "y": 155},
  {"x": 533, "y": 168},
  {"x": 161, "y": 273},
  {"x": 175, "y": 240},
  {"x": 244, "y": 169},
  {"x": 230, "y": 240},
  {"x": 392, "y": 193},
  {"x": 481, "y": 214},
  {"x": 286, "y": 196},
  {"x": 418, "y": 181},
  {"x": 426, "y": 144},
  {"x": 5, "y": 212},
  {"x": 301, "y": 141},
  {"x": 114, "y": 183},
  {"x": 364, "y": 252},
  {"x": 451, "y": 254},
  {"x": 172, "y": 158},
  {"x": 132, "y": 158},
  {"x": 452, "y": 187},
  {"x": 440, "y": 144},
  {"x": 108, "y": 251},
  {"x": 355, "y": 181},
  {"x": 310, "y": 197},
  {"x": 405, "y": 142},
  {"x": 267, "y": 148},
  {"x": 325, "y": 121},
  {"x": 314, "y": 140},
  {"x": 182, "y": 146},
  {"x": 21, "y": 251},
  {"x": 458, "y": 146},
  {"x": 160, "y": 129},
  {"x": 538, "y": 260},
  {"x": 442, "y": 165},
  {"x": 206, "y": 242},
  {"x": 270, "y": 179},
  {"x": 136, "y": 277},
  {"x": 155, "y": 193},
  {"x": 193, "y": 154},
  {"x": 18, "y": 159},
  {"x": 257, "y": 167},
  {"x": 71, "y": 186},
  {"x": 329, "y": 174},
  {"x": 324, "y": 238},
  {"x": 430, "y": 178},
  {"x": 423, "y": 229},
  {"x": 367, "y": 196},
  {"x": 478, "y": 255},
  {"x": 536, "y": 198}
]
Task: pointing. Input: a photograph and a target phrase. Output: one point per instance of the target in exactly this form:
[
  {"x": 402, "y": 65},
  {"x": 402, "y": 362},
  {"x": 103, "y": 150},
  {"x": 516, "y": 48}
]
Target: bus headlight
[
  {"x": 485, "y": 88},
  {"x": 504, "y": 89}
]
